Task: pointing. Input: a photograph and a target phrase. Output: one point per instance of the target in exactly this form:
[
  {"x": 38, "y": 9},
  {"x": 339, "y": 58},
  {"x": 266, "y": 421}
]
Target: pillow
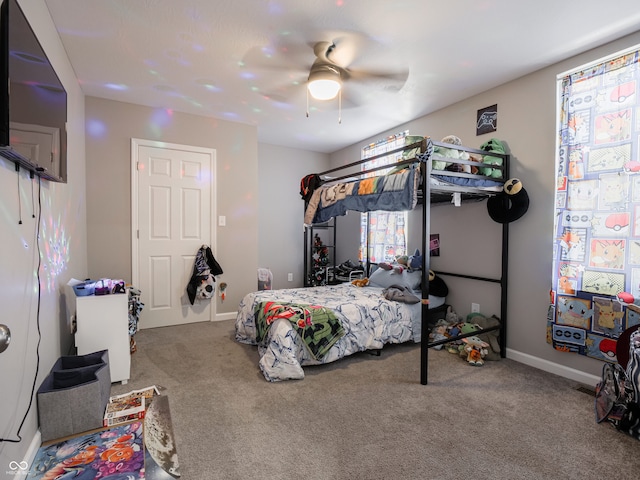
[
  {"x": 386, "y": 278},
  {"x": 435, "y": 301}
]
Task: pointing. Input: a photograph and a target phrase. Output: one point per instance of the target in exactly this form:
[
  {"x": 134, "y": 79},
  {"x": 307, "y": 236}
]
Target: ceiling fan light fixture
[{"x": 324, "y": 84}]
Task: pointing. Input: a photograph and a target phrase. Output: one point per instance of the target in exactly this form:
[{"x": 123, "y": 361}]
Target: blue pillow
[{"x": 386, "y": 278}]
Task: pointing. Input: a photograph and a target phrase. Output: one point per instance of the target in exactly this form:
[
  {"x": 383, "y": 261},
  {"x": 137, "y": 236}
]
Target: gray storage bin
[{"x": 73, "y": 397}]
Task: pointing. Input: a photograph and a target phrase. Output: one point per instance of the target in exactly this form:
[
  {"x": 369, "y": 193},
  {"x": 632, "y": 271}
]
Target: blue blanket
[{"x": 392, "y": 193}]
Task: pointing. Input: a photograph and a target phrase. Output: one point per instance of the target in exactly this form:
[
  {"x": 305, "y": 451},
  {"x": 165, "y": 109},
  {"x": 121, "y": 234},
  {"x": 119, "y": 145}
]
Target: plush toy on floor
[
  {"x": 462, "y": 328},
  {"x": 492, "y": 337},
  {"x": 475, "y": 350}
]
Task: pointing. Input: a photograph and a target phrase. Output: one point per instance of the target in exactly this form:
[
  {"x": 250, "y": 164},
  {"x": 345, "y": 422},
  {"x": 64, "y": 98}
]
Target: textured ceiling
[{"x": 247, "y": 60}]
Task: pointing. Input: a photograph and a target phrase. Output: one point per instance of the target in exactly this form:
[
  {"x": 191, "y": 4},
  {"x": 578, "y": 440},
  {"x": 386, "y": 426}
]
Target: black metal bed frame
[{"x": 430, "y": 195}]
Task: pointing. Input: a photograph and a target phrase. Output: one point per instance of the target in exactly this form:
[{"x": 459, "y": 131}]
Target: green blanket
[{"x": 318, "y": 326}]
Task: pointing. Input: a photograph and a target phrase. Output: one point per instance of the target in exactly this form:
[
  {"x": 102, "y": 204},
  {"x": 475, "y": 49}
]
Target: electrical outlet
[
  {"x": 475, "y": 308},
  {"x": 290, "y": 277}
]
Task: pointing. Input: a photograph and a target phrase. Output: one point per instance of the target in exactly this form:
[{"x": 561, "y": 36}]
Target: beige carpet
[{"x": 367, "y": 417}]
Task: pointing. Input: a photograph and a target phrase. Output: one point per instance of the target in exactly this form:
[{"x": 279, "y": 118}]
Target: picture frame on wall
[{"x": 487, "y": 120}]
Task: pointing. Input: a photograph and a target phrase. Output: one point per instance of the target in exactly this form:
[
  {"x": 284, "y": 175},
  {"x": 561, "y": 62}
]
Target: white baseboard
[
  {"x": 225, "y": 316},
  {"x": 31, "y": 452},
  {"x": 547, "y": 366}
]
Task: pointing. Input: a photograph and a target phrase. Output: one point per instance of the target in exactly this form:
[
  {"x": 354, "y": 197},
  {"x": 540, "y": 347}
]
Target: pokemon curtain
[
  {"x": 387, "y": 230},
  {"x": 596, "y": 263}
]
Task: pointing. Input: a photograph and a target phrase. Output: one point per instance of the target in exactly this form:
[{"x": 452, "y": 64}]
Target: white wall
[
  {"x": 527, "y": 124},
  {"x": 36, "y": 316},
  {"x": 280, "y": 226}
]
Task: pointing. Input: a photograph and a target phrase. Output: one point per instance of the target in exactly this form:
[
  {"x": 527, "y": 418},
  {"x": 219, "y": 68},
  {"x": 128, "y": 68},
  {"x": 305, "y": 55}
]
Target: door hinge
[{"x": 138, "y": 234}]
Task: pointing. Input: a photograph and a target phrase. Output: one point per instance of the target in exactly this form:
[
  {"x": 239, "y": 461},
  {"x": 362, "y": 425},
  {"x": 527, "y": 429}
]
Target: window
[
  {"x": 597, "y": 209},
  {"x": 387, "y": 230}
]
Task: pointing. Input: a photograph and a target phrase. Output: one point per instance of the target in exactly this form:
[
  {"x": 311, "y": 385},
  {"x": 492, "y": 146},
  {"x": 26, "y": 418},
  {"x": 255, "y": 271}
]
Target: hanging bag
[
  {"x": 618, "y": 392},
  {"x": 202, "y": 284}
]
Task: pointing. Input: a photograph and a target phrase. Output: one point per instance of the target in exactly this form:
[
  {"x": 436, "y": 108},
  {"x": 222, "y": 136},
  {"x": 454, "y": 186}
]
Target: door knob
[{"x": 5, "y": 337}]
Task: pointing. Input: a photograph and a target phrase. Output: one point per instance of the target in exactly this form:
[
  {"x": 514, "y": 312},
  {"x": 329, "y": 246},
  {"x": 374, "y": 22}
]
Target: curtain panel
[
  {"x": 596, "y": 257},
  {"x": 387, "y": 230}
]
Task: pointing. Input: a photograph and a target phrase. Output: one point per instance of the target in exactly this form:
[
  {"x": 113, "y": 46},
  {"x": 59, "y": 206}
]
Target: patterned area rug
[
  {"x": 142, "y": 449},
  {"x": 116, "y": 453}
]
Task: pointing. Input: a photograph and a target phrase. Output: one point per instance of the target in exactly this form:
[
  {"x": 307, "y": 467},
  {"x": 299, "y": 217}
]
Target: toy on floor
[
  {"x": 492, "y": 337},
  {"x": 457, "y": 346},
  {"x": 475, "y": 350}
]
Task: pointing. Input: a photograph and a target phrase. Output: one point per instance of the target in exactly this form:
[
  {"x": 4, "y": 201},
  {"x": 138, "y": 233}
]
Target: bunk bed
[{"x": 353, "y": 318}]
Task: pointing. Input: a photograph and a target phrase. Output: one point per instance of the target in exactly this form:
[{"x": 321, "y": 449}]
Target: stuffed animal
[
  {"x": 360, "y": 282},
  {"x": 438, "y": 333},
  {"x": 396, "y": 267},
  {"x": 437, "y": 286},
  {"x": 452, "y": 153},
  {"x": 492, "y": 337},
  {"x": 415, "y": 261},
  {"x": 510, "y": 204},
  {"x": 402, "y": 260},
  {"x": 475, "y": 350},
  {"x": 456, "y": 346},
  {"x": 492, "y": 146}
]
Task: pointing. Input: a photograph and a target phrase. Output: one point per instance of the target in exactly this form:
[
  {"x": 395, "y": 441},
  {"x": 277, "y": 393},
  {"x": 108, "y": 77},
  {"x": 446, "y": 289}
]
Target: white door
[
  {"x": 38, "y": 143},
  {"x": 173, "y": 202}
]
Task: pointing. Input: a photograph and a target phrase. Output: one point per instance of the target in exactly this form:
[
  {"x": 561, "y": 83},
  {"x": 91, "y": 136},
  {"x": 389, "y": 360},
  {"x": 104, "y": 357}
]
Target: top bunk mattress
[{"x": 453, "y": 169}]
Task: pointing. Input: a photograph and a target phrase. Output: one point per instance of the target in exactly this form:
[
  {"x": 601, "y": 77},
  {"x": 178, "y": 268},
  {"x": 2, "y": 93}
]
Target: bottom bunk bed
[{"x": 316, "y": 325}]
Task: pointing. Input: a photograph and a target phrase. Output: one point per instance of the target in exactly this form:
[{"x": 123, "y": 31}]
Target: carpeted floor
[{"x": 368, "y": 417}]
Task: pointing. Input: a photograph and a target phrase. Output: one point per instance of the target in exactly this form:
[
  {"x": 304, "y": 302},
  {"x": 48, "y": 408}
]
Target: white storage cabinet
[{"x": 102, "y": 323}]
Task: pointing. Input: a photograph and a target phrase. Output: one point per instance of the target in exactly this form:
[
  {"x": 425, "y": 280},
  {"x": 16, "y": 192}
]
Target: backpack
[
  {"x": 308, "y": 184},
  {"x": 618, "y": 392}
]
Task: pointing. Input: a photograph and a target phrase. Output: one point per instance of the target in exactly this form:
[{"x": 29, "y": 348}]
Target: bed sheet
[{"x": 369, "y": 321}]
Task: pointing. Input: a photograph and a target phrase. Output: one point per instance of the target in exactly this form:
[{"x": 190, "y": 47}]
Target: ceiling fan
[
  {"x": 325, "y": 77},
  {"x": 334, "y": 66}
]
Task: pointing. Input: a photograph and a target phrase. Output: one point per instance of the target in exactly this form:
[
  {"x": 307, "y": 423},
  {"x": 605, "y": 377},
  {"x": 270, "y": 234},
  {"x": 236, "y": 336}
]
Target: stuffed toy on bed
[
  {"x": 415, "y": 261},
  {"x": 492, "y": 146},
  {"x": 452, "y": 153}
]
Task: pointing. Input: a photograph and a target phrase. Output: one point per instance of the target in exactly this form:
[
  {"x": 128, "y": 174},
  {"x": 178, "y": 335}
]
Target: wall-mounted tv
[{"x": 33, "y": 101}]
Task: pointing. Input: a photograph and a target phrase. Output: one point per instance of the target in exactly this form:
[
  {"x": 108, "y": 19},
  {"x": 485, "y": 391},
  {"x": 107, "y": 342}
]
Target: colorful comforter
[
  {"x": 393, "y": 192},
  {"x": 369, "y": 321},
  {"x": 318, "y": 327}
]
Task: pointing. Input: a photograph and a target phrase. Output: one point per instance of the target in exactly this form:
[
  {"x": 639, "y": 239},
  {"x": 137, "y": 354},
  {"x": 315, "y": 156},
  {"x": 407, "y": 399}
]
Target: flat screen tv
[{"x": 33, "y": 101}]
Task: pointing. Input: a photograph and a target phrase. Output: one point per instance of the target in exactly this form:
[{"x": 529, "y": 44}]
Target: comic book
[{"x": 128, "y": 406}]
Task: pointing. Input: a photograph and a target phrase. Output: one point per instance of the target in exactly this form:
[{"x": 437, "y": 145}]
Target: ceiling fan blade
[
  {"x": 347, "y": 47},
  {"x": 388, "y": 80}
]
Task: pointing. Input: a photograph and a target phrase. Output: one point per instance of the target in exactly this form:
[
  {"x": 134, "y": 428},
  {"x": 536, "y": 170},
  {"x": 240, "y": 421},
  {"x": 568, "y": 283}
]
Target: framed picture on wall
[{"x": 487, "y": 120}]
